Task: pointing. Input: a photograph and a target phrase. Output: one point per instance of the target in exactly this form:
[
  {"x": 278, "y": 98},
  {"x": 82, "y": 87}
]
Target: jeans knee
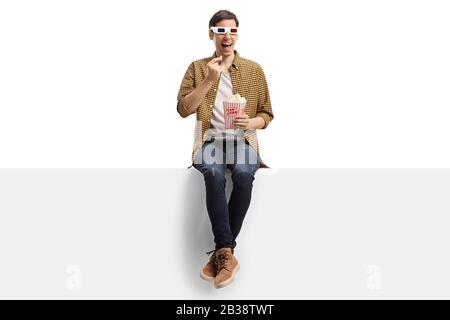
[
  {"x": 243, "y": 175},
  {"x": 213, "y": 174}
]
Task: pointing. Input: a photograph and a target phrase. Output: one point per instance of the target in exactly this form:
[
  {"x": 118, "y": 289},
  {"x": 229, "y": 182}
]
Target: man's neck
[{"x": 227, "y": 61}]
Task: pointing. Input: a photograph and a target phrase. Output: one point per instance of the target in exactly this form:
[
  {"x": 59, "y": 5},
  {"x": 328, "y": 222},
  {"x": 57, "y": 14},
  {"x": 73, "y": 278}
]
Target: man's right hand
[
  {"x": 213, "y": 69},
  {"x": 193, "y": 100}
]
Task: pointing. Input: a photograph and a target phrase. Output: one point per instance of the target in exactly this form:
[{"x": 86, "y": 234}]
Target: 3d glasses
[{"x": 223, "y": 30}]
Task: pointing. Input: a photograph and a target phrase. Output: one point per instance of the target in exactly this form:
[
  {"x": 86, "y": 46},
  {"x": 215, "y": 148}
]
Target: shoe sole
[
  {"x": 205, "y": 277},
  {"x": 229, "y": 280}
]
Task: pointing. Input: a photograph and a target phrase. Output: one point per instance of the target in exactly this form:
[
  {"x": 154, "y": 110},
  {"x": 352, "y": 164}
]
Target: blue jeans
[{"x": 238, "y": 156}]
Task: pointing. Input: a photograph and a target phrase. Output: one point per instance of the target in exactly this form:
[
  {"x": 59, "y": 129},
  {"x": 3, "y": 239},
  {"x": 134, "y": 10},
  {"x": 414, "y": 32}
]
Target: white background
[{"x": 353, "y": 83}]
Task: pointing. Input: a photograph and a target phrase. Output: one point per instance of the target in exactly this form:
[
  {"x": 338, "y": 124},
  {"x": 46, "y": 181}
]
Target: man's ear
[{"x": 211, "y": 35}]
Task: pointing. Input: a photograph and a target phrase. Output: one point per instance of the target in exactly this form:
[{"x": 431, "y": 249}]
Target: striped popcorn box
[{"x": 230, "y": 111}]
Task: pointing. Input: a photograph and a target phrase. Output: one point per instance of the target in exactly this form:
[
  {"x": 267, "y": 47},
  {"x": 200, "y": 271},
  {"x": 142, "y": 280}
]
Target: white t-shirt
[{"x": 217, "y": 128}]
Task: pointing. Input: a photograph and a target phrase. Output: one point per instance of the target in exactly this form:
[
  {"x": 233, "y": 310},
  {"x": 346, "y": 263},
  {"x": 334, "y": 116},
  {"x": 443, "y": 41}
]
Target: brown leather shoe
[
  {"x": 209, "y": 271},
  {"x": 227, "y": 266}
]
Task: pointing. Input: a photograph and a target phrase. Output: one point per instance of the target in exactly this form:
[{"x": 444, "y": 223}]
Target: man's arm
[
  {"x": 189, "y": 96},
  {"x": 257, "y": 123},
  {"x": 264, "y": 112},
  {"x": 193, "y": 100},
  {"x": 186, "y": 87}
]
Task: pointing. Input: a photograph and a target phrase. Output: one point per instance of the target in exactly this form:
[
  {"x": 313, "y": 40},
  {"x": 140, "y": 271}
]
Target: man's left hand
[{"x": 243, "y": 122}]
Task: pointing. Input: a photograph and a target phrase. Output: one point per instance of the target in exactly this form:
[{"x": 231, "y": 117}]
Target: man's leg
[
  {"x": 246, "y": 163},
  {"x": 211, "y": 164}
]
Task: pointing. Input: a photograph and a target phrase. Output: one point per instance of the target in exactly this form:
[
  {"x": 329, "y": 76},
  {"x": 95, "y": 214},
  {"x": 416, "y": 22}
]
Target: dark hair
[{"x": 222, "y": 15}]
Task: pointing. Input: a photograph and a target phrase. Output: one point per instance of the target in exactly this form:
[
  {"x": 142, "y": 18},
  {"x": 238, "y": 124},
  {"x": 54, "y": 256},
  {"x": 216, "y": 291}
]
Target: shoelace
[
  {"x": 222, "y": 261},
  {"x": 211, "y": 254}
]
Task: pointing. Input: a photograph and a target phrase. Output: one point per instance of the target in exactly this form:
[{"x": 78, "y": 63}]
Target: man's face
[{"x": 224, "y": 42}]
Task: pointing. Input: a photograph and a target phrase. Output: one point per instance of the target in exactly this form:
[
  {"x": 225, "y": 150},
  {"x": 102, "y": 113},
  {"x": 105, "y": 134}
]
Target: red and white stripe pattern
[{"x": 230, "y": 111}]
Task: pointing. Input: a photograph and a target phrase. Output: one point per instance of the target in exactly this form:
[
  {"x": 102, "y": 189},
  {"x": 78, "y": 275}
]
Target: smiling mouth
[{"x": 227, "y": 44}]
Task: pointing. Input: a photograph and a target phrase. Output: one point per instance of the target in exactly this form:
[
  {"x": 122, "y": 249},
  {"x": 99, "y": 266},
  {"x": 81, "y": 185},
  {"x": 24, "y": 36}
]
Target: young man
[{"x": 206, "y": 84}]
